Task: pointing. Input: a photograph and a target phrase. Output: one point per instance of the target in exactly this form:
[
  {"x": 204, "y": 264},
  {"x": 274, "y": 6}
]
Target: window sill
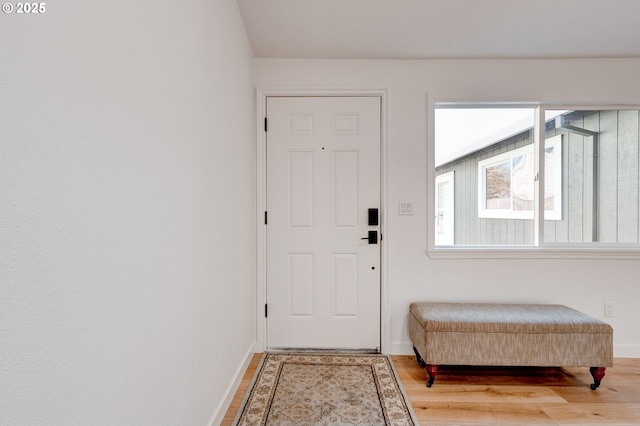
[{"x": 528, "y": 252}]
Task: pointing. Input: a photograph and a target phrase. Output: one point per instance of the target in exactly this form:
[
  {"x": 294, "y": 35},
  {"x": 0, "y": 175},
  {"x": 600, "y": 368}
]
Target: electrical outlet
[{"x": 609, "y": 309}]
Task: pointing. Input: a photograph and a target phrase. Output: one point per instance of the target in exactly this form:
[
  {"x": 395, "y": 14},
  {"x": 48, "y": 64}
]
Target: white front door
[{"x": 323, "y": 176}]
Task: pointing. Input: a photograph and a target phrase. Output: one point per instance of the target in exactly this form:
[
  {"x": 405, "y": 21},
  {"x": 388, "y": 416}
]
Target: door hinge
[
  {"x": 265, "y": 218},
  {"x": 265, "y": 124},
  {"x": 265, "y": 310}
]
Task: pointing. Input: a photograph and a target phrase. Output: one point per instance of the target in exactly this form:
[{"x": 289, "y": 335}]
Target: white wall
[
  {"x": 412, "y": 276},
  {"x": 126, "y": 211}
]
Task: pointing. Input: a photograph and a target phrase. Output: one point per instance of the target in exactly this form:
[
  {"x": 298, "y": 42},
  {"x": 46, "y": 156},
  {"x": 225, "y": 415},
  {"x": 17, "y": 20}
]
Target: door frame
[{"x": 261, "y": 200}]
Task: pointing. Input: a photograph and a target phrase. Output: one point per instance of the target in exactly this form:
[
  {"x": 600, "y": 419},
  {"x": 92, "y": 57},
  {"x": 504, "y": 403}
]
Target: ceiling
[{"x": 442, "y": 29}]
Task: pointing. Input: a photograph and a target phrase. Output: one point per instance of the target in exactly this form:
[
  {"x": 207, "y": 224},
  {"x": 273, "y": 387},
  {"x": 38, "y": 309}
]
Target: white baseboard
[
  {"x": 220, "y": 412},
  {"x": 400, "y": 348},
  {"x": 619, "y": 351}
]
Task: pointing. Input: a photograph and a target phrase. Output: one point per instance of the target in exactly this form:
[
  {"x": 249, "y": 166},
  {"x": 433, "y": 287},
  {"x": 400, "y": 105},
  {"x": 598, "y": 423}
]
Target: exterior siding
[
  {"x": 608, "y": 177},
  {"x": 612, "y": 178},
  {"x": 628, "y": 176}
]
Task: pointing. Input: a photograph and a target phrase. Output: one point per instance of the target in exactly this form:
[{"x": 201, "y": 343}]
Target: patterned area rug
[{"x": 321, "y": 390}]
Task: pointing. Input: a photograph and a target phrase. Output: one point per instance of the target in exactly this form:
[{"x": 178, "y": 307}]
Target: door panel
[{"x": 323, "y": 174}]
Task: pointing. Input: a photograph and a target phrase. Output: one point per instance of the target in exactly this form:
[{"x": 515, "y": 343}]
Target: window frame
[{"x": 540, "y": 249}]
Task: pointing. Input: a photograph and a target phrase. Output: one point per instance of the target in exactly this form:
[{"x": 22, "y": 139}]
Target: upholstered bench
[{"x": 508, "y": 335}]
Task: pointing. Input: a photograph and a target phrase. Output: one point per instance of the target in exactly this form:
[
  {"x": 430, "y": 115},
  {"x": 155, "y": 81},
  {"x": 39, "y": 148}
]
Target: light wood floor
[{"x": 510, "y": 396}]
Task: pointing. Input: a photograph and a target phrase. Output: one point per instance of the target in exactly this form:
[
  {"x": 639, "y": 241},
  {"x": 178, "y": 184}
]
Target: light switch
[{"x": 406, "y": 208}]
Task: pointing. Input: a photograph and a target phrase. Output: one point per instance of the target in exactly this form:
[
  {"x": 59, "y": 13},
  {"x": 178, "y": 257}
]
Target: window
[
  {"x": 506, "y": 183},
  {"x": 591, "y": 168},
  {"x": 601, "y": 185}
]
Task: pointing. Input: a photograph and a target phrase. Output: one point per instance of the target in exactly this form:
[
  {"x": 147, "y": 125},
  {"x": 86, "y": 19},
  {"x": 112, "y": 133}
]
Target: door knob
[{"x": 372, "y": 237}]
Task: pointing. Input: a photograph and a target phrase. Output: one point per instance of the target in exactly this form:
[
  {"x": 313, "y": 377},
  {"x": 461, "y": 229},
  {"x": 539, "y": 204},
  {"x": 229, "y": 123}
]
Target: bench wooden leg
[
  {"x": 598, "y": 374},
  {"x": 432, "y": 371},
  {"x": 419, "y": 359}
]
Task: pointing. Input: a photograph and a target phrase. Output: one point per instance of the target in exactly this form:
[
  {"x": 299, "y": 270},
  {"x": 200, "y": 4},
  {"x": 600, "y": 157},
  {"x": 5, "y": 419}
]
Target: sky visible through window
[{"x": 460, "y": 131}]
